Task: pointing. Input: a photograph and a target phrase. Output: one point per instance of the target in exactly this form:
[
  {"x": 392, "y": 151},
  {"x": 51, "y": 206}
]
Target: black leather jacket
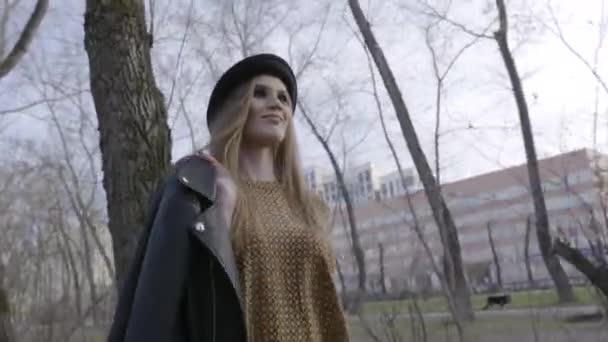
[{"x": 183, "y": 281}]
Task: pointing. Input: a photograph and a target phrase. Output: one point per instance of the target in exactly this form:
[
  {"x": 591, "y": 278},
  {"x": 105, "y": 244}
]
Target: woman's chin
[{"x": 265, "y": 140}]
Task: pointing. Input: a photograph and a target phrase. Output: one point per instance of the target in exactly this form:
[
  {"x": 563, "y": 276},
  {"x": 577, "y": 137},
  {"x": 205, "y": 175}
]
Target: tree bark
[
  {"x": 135, "y": 140},
  {"x": 441, "y": 214},
  {"x": 382, "y": 273},
  {"x": 527, "y": 250},
  {"x": 563, "y": 287},
  {"x": 494, "y": 256},
  {"x": 6, "y": 328},
  {"x": 25, "y": 39},
  {"x": 342, "y": 284},
  {"x": 597, "y": 274}
]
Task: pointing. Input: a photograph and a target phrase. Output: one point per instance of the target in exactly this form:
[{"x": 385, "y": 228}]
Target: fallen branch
[{"x": 597, "y": 274}]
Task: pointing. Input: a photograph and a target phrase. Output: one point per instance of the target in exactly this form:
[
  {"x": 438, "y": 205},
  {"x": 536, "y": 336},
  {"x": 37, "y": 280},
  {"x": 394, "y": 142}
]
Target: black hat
[{"x": 245, "y": 70}]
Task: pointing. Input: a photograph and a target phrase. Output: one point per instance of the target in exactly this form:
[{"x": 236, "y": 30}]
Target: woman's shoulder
[{"x": 195, "y": 173}]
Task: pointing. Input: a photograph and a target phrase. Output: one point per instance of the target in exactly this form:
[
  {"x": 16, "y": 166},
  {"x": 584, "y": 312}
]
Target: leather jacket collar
[{"x": 210, "y": 229}]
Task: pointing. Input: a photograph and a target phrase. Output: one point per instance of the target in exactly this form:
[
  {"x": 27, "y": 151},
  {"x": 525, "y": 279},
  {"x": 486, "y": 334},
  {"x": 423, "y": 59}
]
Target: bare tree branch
[
  {"x": 555, "y": 269},
  {"x": 179, "y": 55},
  {"x": 8, "y": 8},
  {"x": 434, "y": 13},
  {"x": 602, "y": 31},
  {"x": 151, "y": 11},
  {"x": 188, "y": 123},
  {"x": 304, "y": 65},
  {"x": 35, "y": 103},
  {"x": 557, "y": 31},
  {"x": 597, "y": 275},
  {"x": 25, "y": 40}
]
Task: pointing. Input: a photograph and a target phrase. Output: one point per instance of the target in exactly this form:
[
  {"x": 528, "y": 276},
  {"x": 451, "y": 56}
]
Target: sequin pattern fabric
[{"x": 286, "y": 273}]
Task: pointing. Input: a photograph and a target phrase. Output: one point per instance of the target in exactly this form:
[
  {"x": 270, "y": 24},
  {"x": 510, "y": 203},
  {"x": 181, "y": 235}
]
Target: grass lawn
[
  {"x": 503, "y": 329},
  {"x": 519, "y": 300}
]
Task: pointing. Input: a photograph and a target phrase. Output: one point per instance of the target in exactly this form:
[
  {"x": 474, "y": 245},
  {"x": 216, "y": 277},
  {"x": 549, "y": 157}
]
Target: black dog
[{"x": 501, "y": 300}]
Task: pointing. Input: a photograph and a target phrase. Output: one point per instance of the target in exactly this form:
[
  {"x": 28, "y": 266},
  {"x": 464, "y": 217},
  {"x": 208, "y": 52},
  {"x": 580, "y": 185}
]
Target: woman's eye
[
  {"x": 283, "y": 98},
  {"x": 259, "y": 92}
]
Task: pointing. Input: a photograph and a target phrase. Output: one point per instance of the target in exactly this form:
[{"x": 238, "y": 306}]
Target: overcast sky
[{"x": 559, "y": 88}]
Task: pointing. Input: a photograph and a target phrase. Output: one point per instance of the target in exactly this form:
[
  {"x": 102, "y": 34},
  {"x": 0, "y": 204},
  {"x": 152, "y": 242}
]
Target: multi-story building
[
  {"x": 313, "y": 178},
  {"x": 391, "y": 185},
  {"x": 497, "y": 204},
  {"x": 361, "y": 181}
]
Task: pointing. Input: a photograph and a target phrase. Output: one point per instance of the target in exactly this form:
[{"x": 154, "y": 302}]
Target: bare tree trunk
[
  {"x": 420, "y": 318},
  {"x": 436, "y": 134},
  {"x": 494, "y": 256},
  {"x": 354, "y": 232},
  {"x": 597, "y": 246},
  {"x": 135, "y": 140},
  {"x": 6, "y": 328},
  {"x": 342, "y": 284},
  {"x": 441, "y": 214},
  {"x": 87, "y": 265},
  {"x": 72, "y": 273},
  {"x": 416, "y": 226},
  {"x": 65, "y": 244},
  {"x": 382, "y": 273},
  {"x": 527, "y": 250},
  {"x": 563, "y": 287}
]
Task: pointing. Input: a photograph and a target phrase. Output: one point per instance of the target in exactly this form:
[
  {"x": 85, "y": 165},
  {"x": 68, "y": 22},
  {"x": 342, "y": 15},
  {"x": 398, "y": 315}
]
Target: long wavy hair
[{"x": 226, "y": 131}]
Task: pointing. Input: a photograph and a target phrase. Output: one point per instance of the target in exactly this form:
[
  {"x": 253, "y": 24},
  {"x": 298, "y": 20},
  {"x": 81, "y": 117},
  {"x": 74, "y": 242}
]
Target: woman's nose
[{"x": 273, "y": 101}]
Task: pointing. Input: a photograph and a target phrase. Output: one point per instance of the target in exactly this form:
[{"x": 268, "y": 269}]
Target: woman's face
[{"x": 269, "y": 113}]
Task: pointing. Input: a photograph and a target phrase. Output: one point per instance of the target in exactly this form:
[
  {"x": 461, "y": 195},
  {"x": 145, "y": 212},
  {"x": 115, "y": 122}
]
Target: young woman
[{"x": 236, "y": 248}]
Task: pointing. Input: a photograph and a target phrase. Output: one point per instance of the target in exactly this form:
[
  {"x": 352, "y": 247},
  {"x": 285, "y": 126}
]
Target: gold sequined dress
[{"x": 285, "y": 272}]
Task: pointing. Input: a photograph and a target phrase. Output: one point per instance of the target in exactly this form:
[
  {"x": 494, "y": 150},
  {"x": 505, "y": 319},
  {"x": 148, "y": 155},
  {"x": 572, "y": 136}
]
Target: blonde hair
[{"x": 227, "y": 130}]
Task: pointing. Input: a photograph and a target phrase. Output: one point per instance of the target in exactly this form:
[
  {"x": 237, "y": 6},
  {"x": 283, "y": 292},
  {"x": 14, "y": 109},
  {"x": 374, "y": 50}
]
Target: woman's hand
[{"x": 226, "y": 189}]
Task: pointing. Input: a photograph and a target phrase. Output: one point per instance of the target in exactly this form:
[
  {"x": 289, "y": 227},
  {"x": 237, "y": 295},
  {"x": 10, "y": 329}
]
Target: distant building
[
  {"x": 362, "y": 182},
  {"x": 391, "y": 185},
  {"x": 574, "y": 187}
]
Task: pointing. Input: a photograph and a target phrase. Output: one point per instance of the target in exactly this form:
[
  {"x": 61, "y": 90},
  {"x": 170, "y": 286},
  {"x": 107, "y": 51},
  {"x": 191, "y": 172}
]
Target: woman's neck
[{"x": 257, "y": 163}]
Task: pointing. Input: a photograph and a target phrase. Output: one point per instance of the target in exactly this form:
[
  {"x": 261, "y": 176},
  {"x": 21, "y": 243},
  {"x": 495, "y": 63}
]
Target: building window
[
  {"x": 390, "y": 189},
  {"x": 383, "y": 190},
  {"x": 368, "y": 175}
]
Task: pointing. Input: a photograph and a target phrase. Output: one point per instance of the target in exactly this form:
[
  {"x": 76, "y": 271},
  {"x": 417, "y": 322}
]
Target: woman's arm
[
  {"x": 126, "y": 290},
  {"x": 151, "y": 294},
  {"x": 161, "y": 281}
]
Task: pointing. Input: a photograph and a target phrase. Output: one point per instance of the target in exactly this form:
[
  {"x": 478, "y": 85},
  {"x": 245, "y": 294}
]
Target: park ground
[{"x": 533, "y": 316}]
